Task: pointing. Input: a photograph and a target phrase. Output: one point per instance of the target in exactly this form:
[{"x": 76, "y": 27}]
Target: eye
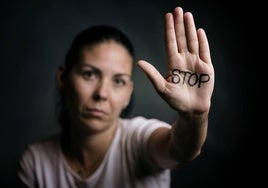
[
  {"x": 89, "y": 75},
  {"x": 119, "y": 82}
]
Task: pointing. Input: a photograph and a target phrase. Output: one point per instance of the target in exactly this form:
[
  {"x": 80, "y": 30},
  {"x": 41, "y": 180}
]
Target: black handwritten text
[{"x": 192, "y": 79}]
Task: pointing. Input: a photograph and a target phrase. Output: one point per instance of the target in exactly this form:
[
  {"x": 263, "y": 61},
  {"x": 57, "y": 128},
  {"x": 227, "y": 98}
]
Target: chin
[{"x": 94, "y": 125}]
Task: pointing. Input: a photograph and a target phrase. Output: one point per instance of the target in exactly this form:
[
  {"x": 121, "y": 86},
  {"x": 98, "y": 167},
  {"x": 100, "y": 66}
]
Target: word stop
[{"x": 189, "y": 77}]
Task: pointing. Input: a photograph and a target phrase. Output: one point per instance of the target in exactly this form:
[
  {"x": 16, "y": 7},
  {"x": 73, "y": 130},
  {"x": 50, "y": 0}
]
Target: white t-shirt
[{"x": 125, "y": 165}]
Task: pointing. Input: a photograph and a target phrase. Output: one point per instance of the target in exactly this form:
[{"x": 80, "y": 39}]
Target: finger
[
  {"x": 190, "y": 29},
  {"x": 170, "y": 37},
  {"x": 179, "y": 29},
  {"x": 152, "y": 73},
  {"x": 204, "y": 51}
]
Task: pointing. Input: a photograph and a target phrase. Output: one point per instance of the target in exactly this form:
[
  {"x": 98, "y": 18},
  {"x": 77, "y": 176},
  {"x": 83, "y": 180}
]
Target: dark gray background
[{"x": 35, "y": 35}]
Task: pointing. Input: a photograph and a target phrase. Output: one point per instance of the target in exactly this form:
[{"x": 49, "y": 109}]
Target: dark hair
[
  {"x": 91, "y": 36},
  {"x": 94, "y": 35}
]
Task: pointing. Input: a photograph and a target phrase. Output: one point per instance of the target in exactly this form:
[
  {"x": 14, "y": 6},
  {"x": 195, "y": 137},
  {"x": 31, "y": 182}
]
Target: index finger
[{"x": 170, "y": 37}]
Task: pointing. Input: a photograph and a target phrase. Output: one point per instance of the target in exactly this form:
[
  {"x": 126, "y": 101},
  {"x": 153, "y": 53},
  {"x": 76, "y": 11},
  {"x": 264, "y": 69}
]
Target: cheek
[
  {"x": 120, "y": 100},
  {"x": 78, "y": 95}
]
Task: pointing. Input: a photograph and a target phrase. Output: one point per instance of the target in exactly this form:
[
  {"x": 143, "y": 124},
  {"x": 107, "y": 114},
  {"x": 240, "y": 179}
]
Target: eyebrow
[{"x": 98, "y": 71}]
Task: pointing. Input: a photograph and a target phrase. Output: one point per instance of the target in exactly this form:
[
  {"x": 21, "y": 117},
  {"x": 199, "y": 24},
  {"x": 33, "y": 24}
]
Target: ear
[{"x": 59, "y": 74}]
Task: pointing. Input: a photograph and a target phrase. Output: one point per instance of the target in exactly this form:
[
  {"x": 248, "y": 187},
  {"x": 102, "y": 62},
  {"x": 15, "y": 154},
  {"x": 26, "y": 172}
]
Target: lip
[{"x": 93, "y": 112}]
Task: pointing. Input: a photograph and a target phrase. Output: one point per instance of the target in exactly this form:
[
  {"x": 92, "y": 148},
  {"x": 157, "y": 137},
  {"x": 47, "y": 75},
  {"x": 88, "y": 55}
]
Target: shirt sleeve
[
  {"x": 25, "y": 171},
  {"x": 140, "y": 130}
]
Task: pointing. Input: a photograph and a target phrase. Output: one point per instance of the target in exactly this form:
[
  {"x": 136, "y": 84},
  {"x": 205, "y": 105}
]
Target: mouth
[{"x": 94, "y": 113}]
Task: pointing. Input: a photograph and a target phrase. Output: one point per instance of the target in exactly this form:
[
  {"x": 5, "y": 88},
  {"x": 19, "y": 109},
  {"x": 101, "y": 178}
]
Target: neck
[{"x": 85, "y": 152}]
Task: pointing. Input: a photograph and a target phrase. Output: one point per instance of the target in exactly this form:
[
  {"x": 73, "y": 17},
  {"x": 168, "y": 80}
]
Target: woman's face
[{"x": 99, "y": 86}]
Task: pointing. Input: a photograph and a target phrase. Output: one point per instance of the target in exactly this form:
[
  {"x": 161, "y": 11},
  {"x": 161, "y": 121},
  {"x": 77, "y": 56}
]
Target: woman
[{"x": 99, "y": 148}]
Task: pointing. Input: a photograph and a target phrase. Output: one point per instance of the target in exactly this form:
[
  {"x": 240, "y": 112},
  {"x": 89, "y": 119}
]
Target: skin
[
  {"x": 96, "y": 102},
  {"x": 187, "y": 49},
  {"x": 98, "y": 88}
]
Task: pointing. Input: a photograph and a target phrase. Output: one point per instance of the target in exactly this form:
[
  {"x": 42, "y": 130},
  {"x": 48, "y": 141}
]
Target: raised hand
[{"x": 189, "y": 83}]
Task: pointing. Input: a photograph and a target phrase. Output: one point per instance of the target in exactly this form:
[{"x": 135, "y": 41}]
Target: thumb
[{"x": 153, "y": 74}]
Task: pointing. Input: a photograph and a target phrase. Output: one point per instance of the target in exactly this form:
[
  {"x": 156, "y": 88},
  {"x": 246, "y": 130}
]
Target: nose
[{"x": 102, "y": 90}]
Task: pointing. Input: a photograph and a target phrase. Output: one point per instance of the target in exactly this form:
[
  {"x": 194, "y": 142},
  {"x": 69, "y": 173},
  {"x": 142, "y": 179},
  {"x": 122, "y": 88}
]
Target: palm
[{"x": 190, "y": 77}]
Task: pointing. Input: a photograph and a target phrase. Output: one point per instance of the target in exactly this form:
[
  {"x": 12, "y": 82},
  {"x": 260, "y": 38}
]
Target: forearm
[
  {"x": 188, "y": 135},
  {"x": 170, "y": 148}
]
